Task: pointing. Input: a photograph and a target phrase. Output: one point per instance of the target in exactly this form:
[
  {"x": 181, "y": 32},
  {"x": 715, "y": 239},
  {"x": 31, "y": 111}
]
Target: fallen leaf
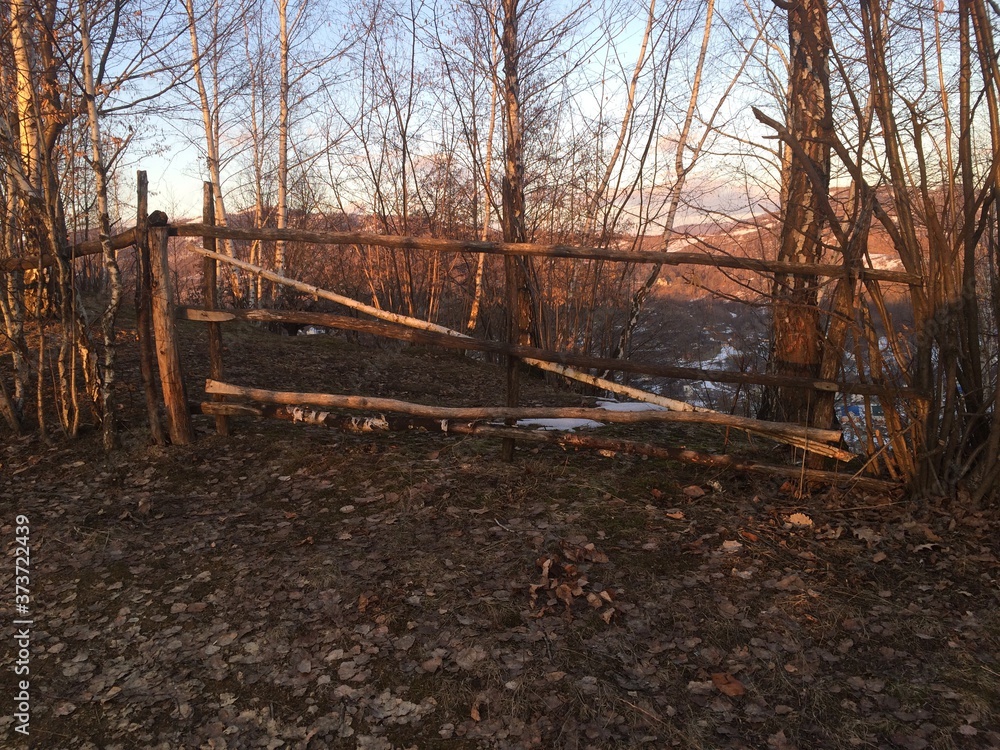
[
  {"x": 699, "y": 687},
  {"x": 565, "y": 593},
  {"x": 593, "y": 554},
  {"x": 799, "y": 519},
  {"x": 474, "y": 712},
  {"x": 467, "y": 658},
  {"x": 693, "y": 491},
  {"x": 778, "y": 741},
  {"x": 727, "y": 684},
  {"x": 545, "y": 563},
  {"x": 431, "y": 665},
  {"x": 866, "y": 534},
  {"x": 792, "y": 581}
]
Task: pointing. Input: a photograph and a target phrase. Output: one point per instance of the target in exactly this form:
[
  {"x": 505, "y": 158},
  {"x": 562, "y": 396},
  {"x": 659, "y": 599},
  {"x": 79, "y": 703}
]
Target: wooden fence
[{"x": 157, "y": 313}]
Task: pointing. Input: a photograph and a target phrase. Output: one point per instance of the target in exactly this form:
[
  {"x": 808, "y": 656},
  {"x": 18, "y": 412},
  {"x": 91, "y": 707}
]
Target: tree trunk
[
  {"x": 282, "y": 217},
  {"x": 108, "y": 319},
  {"x": 518, "y": 294},
  {"x": 795, "y": 324},
  {"x": 484, "y": 231}
]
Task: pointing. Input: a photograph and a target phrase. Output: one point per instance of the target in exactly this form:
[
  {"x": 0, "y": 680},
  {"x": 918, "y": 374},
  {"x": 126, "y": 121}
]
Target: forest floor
[{"x": 297, "y": 587}]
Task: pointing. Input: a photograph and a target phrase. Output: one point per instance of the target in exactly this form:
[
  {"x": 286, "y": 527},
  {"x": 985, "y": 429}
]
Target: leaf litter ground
[{"x": 293, "y": 587}]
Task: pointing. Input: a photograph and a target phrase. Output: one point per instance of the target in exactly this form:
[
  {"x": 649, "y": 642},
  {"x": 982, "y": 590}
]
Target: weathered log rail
[
  {"x": 80, "y": 250},
  {"x": 438, "y": 245},
  {"x": 382, "y": 423},
  {"x": 777, "y": 430},
  {"x": 649, "y": 257}
]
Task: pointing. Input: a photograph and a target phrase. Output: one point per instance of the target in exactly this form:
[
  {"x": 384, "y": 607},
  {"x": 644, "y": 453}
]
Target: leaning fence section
[{"x": 157, "y": 312}]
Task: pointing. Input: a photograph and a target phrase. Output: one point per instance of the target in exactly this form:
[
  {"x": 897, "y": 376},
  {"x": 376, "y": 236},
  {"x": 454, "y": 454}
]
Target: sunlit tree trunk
[
  {"x": 282, "y": 198},
  {"x": 40, "y": 119},
  {"x": 487, "y": 186},
  {"x": 518, "y": 294},
  {"x": 795, "y": 324}
]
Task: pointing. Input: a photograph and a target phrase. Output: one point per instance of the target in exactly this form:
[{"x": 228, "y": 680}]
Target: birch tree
[
  {"x": 686, "y": 155},
  {"x": 108, "y": 255}
]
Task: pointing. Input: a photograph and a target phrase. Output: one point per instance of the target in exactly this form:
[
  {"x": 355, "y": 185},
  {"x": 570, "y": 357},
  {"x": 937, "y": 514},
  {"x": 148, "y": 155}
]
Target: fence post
[
  {"x": 210, "y": 272},
  {"x": 167, "y": 353},
  {"x": 144, "y": 310},
  {"x": 518, "y": 333}
]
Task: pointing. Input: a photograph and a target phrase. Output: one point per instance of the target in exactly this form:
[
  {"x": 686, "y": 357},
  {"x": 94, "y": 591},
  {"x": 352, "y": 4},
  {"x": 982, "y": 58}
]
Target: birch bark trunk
[{"x": 109, "y": 256}]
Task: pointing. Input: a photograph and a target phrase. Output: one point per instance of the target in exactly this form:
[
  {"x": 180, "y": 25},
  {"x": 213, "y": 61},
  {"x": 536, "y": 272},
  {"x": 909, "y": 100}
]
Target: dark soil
[{"x": 293, "y": 586}]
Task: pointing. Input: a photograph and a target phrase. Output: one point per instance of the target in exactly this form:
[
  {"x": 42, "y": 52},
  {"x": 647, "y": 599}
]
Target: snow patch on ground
[
  {"x": 627, "y": 405},
  {"x": 563, "y": 425},
  {"x": 886, "y": 262},
  {"x": 726, "y": 353}
]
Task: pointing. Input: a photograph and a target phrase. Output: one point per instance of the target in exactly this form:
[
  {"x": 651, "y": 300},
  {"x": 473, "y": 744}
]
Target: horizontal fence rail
[{"x": 667, "y": 258}]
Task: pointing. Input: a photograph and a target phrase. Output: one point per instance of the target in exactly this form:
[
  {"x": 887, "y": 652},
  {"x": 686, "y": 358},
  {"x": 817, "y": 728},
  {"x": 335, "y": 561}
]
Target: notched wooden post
[
  {"x": 210, "y": 291},
  {"x": 167, "y": 353},
  {"x": 144, "y": 311}
]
